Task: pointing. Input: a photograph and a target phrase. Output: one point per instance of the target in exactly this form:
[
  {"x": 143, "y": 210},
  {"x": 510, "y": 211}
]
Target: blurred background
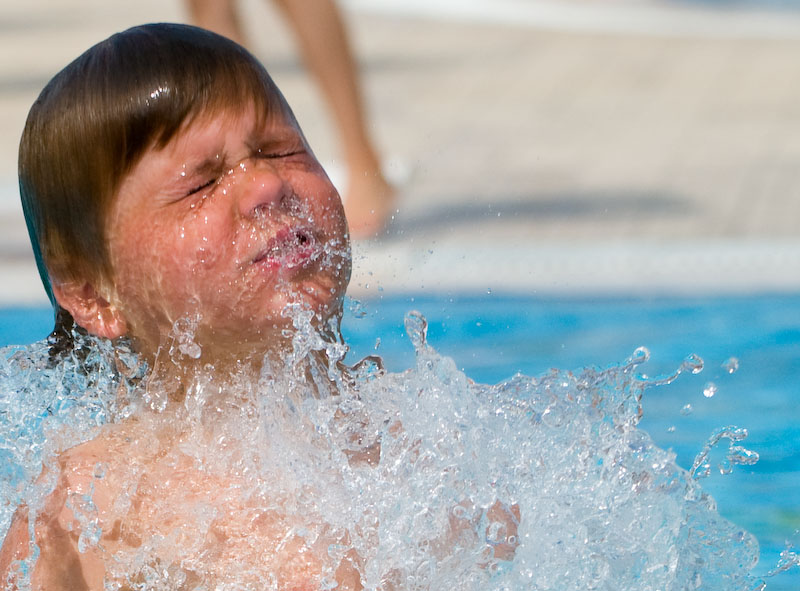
[
  {"x": 540, "y": 146},
  {"x": 574, "y": 179}
]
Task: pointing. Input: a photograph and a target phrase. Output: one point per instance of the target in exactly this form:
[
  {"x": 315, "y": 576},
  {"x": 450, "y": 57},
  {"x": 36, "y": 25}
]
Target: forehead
[{"x": 275, "y": 122}]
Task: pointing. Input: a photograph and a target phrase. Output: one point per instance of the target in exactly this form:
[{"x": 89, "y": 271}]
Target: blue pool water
[{"x": 492, "y": 337}]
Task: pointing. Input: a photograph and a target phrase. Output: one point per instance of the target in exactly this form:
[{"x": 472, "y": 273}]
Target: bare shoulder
[
  {"x": 92, "y": 476},
  {"x": 112, "y": 445}
]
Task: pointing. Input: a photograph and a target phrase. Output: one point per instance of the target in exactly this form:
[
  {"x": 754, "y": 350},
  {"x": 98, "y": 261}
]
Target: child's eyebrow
[
  {"x": 260, "y": 138},
  {"x": 204, "y": 165}
]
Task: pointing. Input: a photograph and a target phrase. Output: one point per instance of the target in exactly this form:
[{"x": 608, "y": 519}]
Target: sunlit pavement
[{"x": 545, "y": 147}]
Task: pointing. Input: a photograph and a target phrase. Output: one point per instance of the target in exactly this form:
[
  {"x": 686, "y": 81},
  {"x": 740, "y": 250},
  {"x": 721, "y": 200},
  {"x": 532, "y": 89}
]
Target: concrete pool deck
[{"x": 547, "y": 147}]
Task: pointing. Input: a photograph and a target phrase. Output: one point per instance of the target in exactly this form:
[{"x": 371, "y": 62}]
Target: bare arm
[
  {"x": 59, "y": 565},
  {"x": 15, "y": 546}
]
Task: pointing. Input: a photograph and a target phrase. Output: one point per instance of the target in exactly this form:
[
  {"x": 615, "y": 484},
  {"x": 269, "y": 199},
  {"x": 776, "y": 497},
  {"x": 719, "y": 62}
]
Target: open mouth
[{"x": 290, "y": 248}]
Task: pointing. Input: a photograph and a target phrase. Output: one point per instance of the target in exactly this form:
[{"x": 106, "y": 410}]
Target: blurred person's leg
[
  {"x": 219, "y": 16},
  {"x": 323, "y": 41}
]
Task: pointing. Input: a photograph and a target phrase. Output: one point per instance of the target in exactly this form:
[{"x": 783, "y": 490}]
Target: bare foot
[{"x": 368, "y": 204}]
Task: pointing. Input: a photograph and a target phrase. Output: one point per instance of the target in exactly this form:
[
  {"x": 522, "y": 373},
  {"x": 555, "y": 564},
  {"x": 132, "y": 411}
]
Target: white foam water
[{"x": 421, "y": 479}]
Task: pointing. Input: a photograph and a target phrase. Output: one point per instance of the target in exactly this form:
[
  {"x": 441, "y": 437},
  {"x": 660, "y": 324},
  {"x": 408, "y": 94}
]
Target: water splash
[
  {"x": 789, "y": 559},
  {"x": 736, "y": 454},
  {"x": 692, "y": 364},
  {"x": 419, "y": 480}
]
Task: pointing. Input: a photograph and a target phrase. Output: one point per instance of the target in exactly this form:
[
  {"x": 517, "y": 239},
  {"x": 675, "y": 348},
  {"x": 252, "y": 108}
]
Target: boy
[
  {"x": 164, "y": 177},
  {"x": 174, "y": 203}
]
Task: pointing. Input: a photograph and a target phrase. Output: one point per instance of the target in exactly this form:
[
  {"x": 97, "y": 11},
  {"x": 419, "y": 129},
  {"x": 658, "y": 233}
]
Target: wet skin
[
  {"x": 232, "y": 220},
  {"x": 229, "y": 223},
  {"x": 169, "y": 494}
]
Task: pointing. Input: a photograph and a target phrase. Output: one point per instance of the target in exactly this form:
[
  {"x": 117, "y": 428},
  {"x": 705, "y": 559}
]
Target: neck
[{"x": 181, "y": 370}]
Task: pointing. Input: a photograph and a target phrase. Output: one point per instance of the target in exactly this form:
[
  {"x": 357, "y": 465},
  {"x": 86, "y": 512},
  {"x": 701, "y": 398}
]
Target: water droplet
[
  {"x": 693, "y": 363},
  {"x": 709, "y": 390},
  {"x": 99, "y": 470},
  {"x": 190, "y": 349},
  {"x": 640, "y": 355},
  {"x": 357, "y": 309},
  {"x": 731, "y": 364},
  {"x": 416, "y": 328},
  {"x": 496, "y": 533},
  {"x": 686, "y": 410},
  {"x": 737, "y": 454},
  {"x": 377, "y": 343},
  {"x": 671, "y": 429},
  {"x": 489, "y": 290},
  {"x": 741, "y": 455},
  {"x": 460, "y": 512}
]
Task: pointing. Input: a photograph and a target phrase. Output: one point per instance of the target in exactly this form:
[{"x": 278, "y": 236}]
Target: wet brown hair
[{"x": 96, "y": 118}]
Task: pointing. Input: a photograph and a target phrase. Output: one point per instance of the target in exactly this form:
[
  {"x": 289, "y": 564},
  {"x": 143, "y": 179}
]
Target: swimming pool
[{"x": 494, "y": 336}]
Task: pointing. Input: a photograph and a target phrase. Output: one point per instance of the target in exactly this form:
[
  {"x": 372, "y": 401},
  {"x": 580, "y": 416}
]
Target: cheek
[
  {"x": 323, "y": 207},
  {"x": 154, "y": 262},
  {"x": 198, "y": 247},
  {"x": 193, "y": 244}
]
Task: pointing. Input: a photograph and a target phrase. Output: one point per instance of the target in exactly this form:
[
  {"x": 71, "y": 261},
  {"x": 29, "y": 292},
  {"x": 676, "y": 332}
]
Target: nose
[{"x": 259, "y": 187}]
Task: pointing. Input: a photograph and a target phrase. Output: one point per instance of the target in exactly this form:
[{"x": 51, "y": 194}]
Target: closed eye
[
  {"x": 280, "y": 153},
  {"x": 199, "y": 188}
]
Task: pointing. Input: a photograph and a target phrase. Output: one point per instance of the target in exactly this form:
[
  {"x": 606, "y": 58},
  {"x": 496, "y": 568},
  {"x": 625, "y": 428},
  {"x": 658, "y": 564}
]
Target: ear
[{"x": 90, "y": 310}]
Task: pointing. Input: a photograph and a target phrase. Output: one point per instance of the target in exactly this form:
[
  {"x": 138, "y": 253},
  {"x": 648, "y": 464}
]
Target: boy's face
[{"x": 230, "y": 221}]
